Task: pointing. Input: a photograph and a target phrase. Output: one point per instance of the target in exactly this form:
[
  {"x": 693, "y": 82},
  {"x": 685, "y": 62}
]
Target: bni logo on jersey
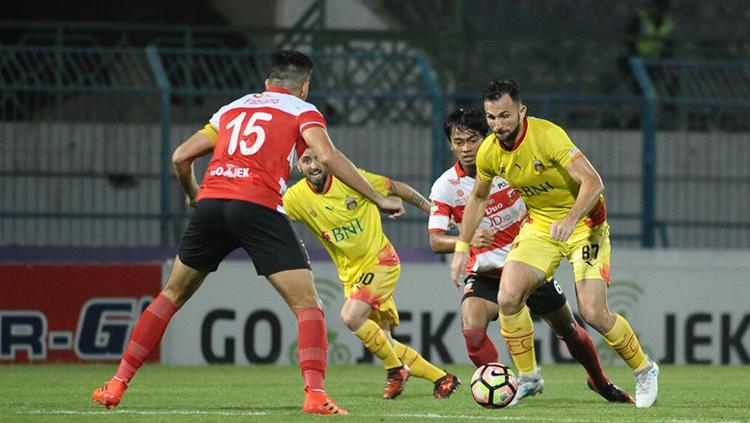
[{"x": 231, "y": 172}]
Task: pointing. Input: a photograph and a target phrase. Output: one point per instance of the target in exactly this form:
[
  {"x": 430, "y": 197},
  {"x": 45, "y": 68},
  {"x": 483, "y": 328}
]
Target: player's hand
[
  {"x": 393, "y": 206},
  {"x": 562, "y": 229},
  {"x": 483, "y": 238},
  {"x": 458, "y": 268},
  {"x": 190, "y": 202}
]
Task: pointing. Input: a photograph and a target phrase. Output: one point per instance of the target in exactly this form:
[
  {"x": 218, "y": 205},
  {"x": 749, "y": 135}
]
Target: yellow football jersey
[
  {"x": 535, "y": 167},
  {"x": 346, "y": 223}
]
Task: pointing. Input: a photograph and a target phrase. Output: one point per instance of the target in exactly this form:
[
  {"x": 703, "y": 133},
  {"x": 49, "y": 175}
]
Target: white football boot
[
  {"x": 528, "y": 385},
  {"x": 647, "y": 385}
]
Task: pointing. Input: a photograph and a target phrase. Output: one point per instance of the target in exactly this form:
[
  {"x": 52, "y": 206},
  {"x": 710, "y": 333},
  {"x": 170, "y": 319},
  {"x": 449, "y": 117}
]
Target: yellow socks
[
  {"x": 374, "y": 340},
  {"x": 518, "y": 332},
  {"x": 418, "y": 366},
  {"x": 622, "y": 339}
]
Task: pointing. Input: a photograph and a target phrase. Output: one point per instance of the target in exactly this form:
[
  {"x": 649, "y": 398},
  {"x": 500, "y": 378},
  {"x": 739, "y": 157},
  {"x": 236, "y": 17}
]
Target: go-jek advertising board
[{"x": 686, "y": 307}]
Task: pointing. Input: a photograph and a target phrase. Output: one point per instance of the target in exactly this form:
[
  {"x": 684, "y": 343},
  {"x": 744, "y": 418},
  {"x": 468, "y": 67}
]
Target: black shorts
[
  {"x": 546, "y": 299},
  {"x": 218, "y": 227}
]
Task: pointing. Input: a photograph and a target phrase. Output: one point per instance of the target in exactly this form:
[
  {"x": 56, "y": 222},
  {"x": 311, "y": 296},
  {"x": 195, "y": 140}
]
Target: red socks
[
  {"x": 146, "y": 336},
  {"x": 480, "y": 347},
  {"x": 312, "y": 347},
  {"x": 581, "y": 348}
]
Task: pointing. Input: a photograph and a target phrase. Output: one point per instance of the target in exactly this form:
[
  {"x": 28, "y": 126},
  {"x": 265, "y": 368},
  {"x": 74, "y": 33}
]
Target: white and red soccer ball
[{"x": 493, "y": 385}]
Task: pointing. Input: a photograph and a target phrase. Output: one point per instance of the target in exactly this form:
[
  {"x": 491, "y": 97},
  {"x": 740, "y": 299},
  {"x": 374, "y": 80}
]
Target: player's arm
[
  {"x": 473, "y": 213},
  {"x": 198, "y": 145},
  {"x": 441, "y": 242},
  {"x": 317, "y": 139},
  {"x": 410, "y": 195},
  {"x": 581, "y": 171}
]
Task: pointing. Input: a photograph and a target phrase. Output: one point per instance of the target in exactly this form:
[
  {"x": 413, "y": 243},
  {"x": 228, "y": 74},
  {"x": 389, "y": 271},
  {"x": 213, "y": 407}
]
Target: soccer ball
[{"x": 493, "y": 385}]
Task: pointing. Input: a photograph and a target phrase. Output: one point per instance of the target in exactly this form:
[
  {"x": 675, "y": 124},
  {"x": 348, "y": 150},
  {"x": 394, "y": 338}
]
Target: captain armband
[
  {"x": 461, "y": 247},
  {"x": 211, "y": 131}
]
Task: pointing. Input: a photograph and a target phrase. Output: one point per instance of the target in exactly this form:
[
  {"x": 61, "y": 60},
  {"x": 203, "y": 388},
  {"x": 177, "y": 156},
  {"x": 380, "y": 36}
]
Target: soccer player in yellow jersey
[
  {"x": 567, "y": 218},
  {"x": 349, "y": 227}
]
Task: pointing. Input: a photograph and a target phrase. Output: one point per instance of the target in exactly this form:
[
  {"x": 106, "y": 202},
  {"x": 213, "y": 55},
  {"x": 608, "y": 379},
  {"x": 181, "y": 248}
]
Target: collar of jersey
[
  {"x": 519, "y": 141},
  {"x": 277, "y": 89},
  {"x": 329, "y": 182},
  {"x": 459, "y": 170}
]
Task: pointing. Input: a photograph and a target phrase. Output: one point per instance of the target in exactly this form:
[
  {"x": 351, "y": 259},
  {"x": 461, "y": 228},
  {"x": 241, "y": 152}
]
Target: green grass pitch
[{"x": 61, "y": 393}]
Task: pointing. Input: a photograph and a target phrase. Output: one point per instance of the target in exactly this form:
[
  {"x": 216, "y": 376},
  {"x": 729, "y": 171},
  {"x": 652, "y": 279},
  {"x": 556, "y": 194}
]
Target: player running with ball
[
  {"x": 466, "y": 130},
  {"x": 567, "y": 218}
]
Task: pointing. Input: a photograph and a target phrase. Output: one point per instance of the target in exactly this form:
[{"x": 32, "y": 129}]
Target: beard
[
  {"x": 510, "y": 137},
  {"x": 319, "y": 180}
]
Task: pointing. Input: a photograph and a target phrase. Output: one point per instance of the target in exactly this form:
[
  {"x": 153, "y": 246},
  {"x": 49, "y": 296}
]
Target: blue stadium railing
[
  {"x": 689, "y": 96},
  {"x": 40, "y": 85}
]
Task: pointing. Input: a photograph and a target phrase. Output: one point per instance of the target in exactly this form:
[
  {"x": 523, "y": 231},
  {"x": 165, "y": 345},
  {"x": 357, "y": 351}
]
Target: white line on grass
[
  {"x": 396, "y": 415},
  {"x": 536, "y": 418},
  {"x": 148, "y": 412}
]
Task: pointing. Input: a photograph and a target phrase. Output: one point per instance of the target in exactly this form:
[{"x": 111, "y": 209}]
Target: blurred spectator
[
  {"x": 649, "y": 35},
  {"x": 649, "y": 31}
]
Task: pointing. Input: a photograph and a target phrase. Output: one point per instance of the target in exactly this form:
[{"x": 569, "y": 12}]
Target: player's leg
[
  {"x": 279, "y": 256},
  {"x": 549, "y": 302},
  {"x": 444, "y": 383},
  {"x": 592, "y": 303},
  {"x": 368, "y": 312},
  {"x": 478, "y": 308},
  {"x": 148, "y": 331},
  {"x": 355, "y": 315},
  {"x": 396, "y": 377},
  {"x": 297, "y": 288},
  {"x": 533, "y": 259},
  {"x": 590, "y": 257},
  {"x": 202, "y": 248},
  {"x": 518, "y": 281},
  {"x": 182, "y": 284}
]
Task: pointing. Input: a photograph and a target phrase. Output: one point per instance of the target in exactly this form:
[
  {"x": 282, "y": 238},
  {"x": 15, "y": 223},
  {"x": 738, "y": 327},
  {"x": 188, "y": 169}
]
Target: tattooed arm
[{"x": 410, "y": 195}]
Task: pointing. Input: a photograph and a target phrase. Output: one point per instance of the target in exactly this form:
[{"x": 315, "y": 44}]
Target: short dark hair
[
  {"x": 501, "y": 87},
  {"x": 290, "y": 68},
  {"x": 466, "y": 119}
]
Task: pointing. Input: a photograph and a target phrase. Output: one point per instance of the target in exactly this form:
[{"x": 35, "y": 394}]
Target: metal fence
[
  {"x": 696, "y": 145},
  {"x": 86, "y": 135}
]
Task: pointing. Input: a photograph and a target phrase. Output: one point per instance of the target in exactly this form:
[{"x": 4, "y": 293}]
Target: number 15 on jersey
[{"x": 250, "y": 127}]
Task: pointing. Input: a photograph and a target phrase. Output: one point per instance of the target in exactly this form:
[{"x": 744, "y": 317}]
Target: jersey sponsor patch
[{"x": 230, "y": 171}]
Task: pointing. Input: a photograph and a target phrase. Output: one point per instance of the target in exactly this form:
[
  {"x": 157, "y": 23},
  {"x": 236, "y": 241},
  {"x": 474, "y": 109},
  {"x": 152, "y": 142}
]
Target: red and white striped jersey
[
  {"x": 504, "y": 213},
  {"x": 259, "y": 140}
]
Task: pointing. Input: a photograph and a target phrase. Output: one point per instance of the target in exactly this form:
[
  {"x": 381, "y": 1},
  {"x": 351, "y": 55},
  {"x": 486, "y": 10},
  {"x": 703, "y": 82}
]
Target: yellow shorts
[
  {"x": 587, "y": 249},
  {"x": 375, "y": 285}
]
